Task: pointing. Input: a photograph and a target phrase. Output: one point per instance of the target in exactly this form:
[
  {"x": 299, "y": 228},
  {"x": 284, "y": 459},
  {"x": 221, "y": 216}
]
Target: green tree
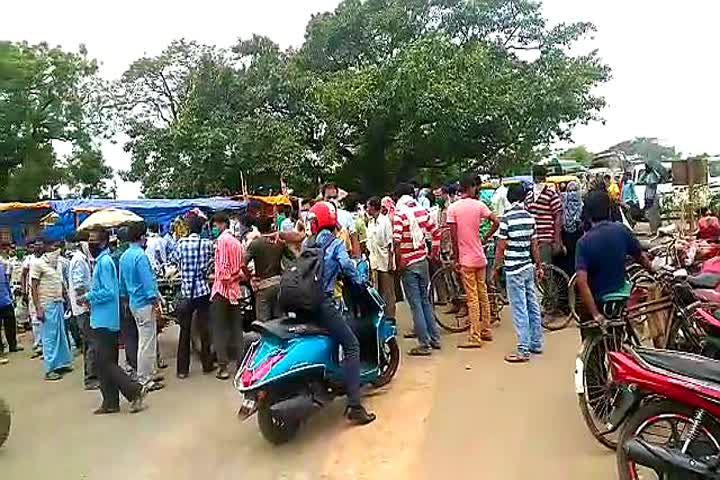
[
  {"x": 381, "y": 90},
  {"x": 47, "y": 96},
  {"x": 647, "y": 149},
  {"x": 408, "y": 85},
  {"x": 87, "y": 175},
  {"x": 579, "y": 154}
]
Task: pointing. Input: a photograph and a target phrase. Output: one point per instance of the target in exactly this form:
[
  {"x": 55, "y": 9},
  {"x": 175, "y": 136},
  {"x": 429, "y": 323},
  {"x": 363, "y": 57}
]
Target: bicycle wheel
[
  {"x": 596, "y": 393},
  {"x": 553, "y": 289},
  {"x": 446, "y": 289}
]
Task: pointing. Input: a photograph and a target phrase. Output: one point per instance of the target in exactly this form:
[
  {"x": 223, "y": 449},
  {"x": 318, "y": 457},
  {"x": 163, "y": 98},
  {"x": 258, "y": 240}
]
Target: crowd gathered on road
[{"x": 90, "y": 296}]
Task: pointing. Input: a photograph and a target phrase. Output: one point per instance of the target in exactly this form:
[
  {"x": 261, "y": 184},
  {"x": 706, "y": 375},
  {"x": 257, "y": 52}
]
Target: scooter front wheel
[
  {"x": 5, "y": 420},
  {"x": 275, "y": 429},
  {"x": 391, "y": 352}
]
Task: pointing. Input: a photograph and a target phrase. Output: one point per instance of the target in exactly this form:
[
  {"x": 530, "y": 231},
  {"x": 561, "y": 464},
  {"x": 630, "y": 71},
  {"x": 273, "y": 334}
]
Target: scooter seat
[
  {"x": 704, "y": 280},
  {"x": 681, "y": 363},
  {"x": 287, "y": 328},
  {"x": 707, "y": 295}
]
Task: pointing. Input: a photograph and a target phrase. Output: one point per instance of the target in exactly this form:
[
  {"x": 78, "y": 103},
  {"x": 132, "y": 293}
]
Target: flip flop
[{"x": 517, "y": 357}]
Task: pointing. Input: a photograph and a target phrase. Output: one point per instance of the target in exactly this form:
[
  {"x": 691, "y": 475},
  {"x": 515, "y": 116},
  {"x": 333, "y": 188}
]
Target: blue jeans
[
  {"x": 415, "y": 281},
  {"x": 525, "y": 310}
]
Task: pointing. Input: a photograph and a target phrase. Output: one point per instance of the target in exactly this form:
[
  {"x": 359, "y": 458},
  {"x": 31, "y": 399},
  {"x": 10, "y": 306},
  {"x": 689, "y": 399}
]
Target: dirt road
[{"x": 457, "y": 415}]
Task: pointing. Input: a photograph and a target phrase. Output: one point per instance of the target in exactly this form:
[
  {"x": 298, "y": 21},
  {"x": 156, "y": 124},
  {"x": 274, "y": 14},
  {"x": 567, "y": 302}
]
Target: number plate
[
  {"x": 579, "y": 376},
  {"x": 247, "y": 408}
]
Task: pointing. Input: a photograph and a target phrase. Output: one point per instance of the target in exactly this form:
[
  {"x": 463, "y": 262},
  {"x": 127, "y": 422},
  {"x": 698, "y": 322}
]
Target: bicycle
[
  {"x": 623, "y": 316},
  {"x": 446, "y": 288}
]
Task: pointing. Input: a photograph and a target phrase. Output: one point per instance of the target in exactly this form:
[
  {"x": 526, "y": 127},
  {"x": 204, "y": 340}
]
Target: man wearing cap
[{"x": 47, "y": 297}]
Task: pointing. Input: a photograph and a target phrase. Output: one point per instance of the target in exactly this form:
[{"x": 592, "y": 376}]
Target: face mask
[
  {"x": 215, "y": 232},
  {"x": 96, "y": 249}
]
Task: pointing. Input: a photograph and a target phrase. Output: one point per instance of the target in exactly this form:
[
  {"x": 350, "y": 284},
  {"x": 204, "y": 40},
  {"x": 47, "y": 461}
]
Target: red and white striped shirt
[
  {"x": 402, "y": 235},
  {"x": 228, "y": 264},
  {"x": 545, "y": 209}
]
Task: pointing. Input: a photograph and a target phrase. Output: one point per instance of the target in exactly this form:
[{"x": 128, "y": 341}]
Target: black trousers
[
  {"x": 113, "y": 379},
  {"x": 129, "y": 335},
  {"x": 7, "y": 322},
  {"x": 88, "y": 348},
  {"x": 227, "y": 323},
  {"x": 73, "y": 330},
  {"x": 197, "y": 308}
]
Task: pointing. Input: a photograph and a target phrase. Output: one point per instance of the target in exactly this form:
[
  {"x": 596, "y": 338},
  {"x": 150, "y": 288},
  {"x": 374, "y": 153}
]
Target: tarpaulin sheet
[
  {"x": 274, "y": 200},
  {"x": 158, "y": 211}
]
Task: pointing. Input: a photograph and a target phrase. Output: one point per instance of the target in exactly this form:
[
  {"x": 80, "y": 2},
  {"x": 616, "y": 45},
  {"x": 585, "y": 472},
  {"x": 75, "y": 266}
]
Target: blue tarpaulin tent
[{"x": 162, "y": 212}]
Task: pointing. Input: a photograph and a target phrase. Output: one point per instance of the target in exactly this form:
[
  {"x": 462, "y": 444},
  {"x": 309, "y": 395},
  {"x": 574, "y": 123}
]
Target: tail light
[{"x": 250, "y": 376}]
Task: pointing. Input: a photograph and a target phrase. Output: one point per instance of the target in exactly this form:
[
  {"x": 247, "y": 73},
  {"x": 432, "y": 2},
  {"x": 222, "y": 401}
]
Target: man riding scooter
[{"x": 324, "y": 225}]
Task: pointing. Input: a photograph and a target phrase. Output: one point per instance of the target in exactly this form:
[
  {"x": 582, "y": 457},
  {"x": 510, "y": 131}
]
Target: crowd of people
[{"x": 108, "y": 284}]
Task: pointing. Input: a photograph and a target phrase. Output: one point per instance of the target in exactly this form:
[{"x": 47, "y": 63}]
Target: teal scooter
[{"x": 294, "y": 369}]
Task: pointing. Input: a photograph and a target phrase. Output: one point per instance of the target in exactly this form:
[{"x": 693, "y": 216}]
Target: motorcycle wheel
[
  {"x": 392, "y": 355},
  {"x": 655, "y": 420},
  {"x": 275, "y": 429},
  {"x": 5, "y": 421}
]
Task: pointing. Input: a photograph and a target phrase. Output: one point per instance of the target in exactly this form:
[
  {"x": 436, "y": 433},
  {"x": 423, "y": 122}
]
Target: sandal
[
  {"x": 53, "y": 376},
  {"x": 517, "y": 357},
  {"x": 421, "y": 351}
]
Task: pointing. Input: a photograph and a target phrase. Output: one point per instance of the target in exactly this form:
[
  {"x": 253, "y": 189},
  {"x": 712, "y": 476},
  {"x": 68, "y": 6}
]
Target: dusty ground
[{"x": 458, "y": 415}]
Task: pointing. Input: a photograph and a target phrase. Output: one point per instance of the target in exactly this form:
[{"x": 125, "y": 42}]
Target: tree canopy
[
  {"x": 381, "y": 90},
  {"x": 647, "y": 149},
  {"x": 48, "y": 97}
]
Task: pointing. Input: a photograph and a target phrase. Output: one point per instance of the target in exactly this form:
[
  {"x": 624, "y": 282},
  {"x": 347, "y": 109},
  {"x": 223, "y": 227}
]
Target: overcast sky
[{"x": 663, "y": 54}]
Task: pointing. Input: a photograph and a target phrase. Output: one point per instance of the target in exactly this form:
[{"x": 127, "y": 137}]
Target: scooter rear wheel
[
  {"x": 392, "y": 359},
  {"x": 5, "y": 421},
  {"x": 656, "y": 420},
  {"x": 276, "y": 430}
]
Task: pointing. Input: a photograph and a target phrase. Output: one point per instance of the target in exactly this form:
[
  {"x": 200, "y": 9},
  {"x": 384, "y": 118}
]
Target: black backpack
[{"x": 301, "y": 285}]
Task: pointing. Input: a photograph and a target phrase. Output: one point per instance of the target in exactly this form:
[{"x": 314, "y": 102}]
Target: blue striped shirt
[{"x": 517, "y": 227}]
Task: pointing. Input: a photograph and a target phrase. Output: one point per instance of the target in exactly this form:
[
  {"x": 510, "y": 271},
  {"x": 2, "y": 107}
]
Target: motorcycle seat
[
  {"x": 704, "y": 280},
  {"x": 681, "y": 363},
  {"x": 287, "y": 328}
]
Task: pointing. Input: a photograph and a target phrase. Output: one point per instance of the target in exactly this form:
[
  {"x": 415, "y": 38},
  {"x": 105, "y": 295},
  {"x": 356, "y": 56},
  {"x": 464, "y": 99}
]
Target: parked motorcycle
[
  {"x": 5, "y": 421},
  {"x": 668, "y": 404},
  {"x": 295, "y": 369}
]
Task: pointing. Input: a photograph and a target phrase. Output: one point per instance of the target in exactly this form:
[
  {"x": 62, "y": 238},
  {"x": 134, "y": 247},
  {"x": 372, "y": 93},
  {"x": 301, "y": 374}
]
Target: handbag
[{"x": 185, "y": 306}]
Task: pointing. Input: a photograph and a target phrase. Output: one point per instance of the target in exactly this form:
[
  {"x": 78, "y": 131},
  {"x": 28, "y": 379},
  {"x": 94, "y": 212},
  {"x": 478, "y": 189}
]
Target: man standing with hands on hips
[{"x": 464, "y": 218}]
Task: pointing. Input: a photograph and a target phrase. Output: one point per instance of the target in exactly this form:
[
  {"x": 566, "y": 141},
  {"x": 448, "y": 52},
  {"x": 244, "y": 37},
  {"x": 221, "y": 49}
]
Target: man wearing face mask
[
  {"x": 104, "y": 301},
  {"x": 47, "y": 297}
]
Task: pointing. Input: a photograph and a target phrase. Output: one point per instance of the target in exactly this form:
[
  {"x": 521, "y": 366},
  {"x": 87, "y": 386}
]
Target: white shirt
[
  {"x": 379, "y": 242},
  {"x": 346, "y": 220},
  {"x": 78, "y": 278},
  {"x": 156, "y": 251},
  {"x": 499, "y": 202}
]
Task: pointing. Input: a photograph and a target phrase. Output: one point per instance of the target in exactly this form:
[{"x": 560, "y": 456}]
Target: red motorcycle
[{"x": 668, "y": 405}]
